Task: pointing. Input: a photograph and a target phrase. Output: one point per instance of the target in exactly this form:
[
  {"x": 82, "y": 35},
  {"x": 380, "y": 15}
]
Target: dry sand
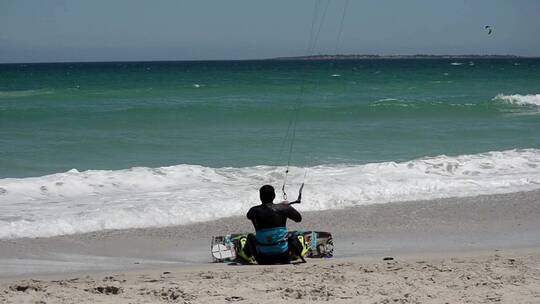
[
  {"x": 489, "y": 278},
  {"x": 478, "y": 250}
]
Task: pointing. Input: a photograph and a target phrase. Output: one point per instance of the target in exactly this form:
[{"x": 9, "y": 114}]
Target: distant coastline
[
  {"x": 417, "y": 56},
  {"x": 291, "y": 58}
]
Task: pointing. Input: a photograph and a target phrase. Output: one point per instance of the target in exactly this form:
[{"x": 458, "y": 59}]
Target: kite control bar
[{"x": 299, "y": 199}]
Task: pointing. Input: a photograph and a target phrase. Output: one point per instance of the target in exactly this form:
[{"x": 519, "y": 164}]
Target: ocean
[{"x": 93, "y": 146}]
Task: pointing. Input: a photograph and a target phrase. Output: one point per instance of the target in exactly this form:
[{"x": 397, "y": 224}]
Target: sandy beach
[{"x": 463, "y": 250}]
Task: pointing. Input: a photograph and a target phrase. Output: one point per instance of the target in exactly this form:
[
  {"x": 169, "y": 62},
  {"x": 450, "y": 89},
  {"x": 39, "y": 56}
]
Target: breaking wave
[
  {"x": 521, "y": 100},
  {"x": 78, "y": 202}
]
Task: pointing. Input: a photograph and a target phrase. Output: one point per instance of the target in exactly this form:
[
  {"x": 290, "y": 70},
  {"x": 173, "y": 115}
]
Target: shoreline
[{"x": 487, "y": 222}]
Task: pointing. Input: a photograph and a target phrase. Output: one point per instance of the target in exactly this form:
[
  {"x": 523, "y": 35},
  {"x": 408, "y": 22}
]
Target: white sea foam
[
  {"x": 75, "y": 202},
  {"x": 387, "y": 99},
  {"x": 522, "y": 100},
  {"x": 457, "y": 63},
  {"x": 24, "y": 93}
]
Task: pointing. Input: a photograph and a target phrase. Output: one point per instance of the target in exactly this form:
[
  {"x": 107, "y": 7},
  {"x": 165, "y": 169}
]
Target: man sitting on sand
[{"x": 270, "y": 244}]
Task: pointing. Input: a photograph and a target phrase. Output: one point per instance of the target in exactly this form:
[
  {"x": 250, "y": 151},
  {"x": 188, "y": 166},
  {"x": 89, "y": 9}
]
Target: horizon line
[{"x": 304, "y": 57}]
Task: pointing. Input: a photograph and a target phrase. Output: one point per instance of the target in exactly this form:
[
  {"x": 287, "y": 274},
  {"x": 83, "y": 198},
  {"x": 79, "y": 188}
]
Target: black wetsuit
[{"x": 271, "y": 215}]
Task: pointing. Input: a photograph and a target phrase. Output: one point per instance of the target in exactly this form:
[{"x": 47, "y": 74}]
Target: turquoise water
[{"x": 55, "y": 117}]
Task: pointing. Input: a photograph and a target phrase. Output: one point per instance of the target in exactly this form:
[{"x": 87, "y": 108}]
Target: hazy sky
[{"x": 105, "y": 30}]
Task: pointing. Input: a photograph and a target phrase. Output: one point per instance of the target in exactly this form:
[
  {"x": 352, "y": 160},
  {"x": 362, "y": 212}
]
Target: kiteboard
[{"x": 229, "y": 248}]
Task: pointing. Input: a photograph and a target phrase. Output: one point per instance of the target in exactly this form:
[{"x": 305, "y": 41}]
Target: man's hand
[{"x": 298, "y": 200}]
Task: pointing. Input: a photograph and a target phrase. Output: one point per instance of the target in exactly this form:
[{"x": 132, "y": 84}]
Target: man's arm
[
  {"x": 299, "y": 199},
  {"x": 293, "y": 214},
  {"x": 250, "y": 214}
]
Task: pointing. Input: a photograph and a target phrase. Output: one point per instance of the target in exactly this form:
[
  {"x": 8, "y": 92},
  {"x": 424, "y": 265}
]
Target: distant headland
[{"x": 417, "y": 56}]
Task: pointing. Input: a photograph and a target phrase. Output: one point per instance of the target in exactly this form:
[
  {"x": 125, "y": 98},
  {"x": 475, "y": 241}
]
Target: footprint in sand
[
  {"x": 234, "y": 299},
  {"x": 170, "y": 294},
  {"x": 108, "y": 290},
  {"x": 25, "y": 287}
]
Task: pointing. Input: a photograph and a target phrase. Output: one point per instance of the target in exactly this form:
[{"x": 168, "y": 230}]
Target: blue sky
[{"x": 110, "y": 30}]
